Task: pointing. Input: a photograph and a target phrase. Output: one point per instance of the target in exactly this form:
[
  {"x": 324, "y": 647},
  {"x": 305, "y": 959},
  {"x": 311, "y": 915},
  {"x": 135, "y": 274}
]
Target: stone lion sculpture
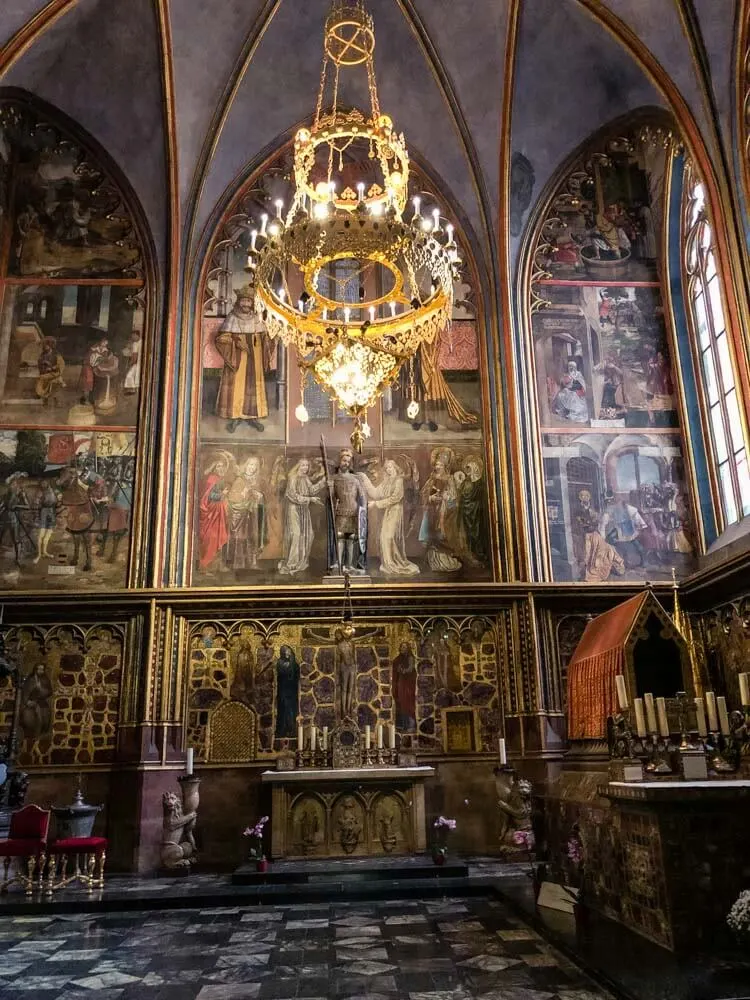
[{"x": 178, "y": 844}]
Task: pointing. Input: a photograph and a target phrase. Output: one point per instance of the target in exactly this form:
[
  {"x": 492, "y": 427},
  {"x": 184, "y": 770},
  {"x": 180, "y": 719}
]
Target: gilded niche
[
  {"x": 279, "y": 675},
  {"x": 70, "y": 692}
]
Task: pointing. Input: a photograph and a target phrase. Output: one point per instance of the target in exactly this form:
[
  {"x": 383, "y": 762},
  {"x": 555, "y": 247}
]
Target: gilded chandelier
[{"x": 342, "y": 276}]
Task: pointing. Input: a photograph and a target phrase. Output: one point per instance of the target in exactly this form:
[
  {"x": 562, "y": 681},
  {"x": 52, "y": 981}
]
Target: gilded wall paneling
[{"x": 71, "y": 685}]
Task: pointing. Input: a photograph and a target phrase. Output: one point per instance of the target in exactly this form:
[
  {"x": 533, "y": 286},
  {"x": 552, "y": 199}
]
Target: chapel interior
[{"x": 375, "y": 499}]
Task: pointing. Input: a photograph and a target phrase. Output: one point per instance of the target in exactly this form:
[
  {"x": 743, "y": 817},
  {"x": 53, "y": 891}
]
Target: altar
[{"x": 347, "y": 812}]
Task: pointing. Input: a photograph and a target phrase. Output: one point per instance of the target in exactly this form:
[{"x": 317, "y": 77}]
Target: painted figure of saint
[
  {"x": 36, "y": 710},
  {"x": 241, "y": 344},
  {"x": 243, "y": 661},
  {"x": 570, "y": 401},
  {"x": 388, "y": 496},
  {"x": 132, "y": 352},
  {"x": 347, "y": 536},
  {"x": 98, "y": 363},
  {"x": 213, "y": 513},
  {"x": 247, "y": 518},
  {"x": 298, "y": 537},
  {"x": 439, "y": 496},
  {"x": 287, "y": 693},
  {"x": 404, "y": 688},
  {"x": 51, "y": 367},
  {"x": 475, "y": 522}
]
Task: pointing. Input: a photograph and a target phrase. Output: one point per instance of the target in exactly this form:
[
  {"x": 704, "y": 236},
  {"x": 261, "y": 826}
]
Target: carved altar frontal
[{"x": 348, "y": 812}]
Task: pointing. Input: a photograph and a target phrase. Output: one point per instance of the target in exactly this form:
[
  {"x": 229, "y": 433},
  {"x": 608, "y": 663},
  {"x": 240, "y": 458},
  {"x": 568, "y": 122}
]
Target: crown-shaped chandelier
[{"x": 342, "y": 276}]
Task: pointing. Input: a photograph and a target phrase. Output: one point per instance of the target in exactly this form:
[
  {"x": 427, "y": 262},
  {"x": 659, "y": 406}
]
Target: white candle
[
  {"x": 700, "y": 717},
  {"x": 263, "y": 224},
  {"x": 661, "y": 711},
  {"x": 300, "y": 738},
  {"x": 379, "y": 732},
  {"x": 417, "y": 203},
  {"x": 313, "y": 738},
  {"x": 501, "y": 751},
  {"x": 713, "y": 719},
  {"x": 253, "y": 238},
  {"x": 745, "y": 689},
  {"x": 361, "y": 190},
  {"x": 372, "y": 314},
  {"x": 622, "y": 693},
  {"x": 721, "y": 704},
  {"x": 648, "y": 700},
  {"x": 189, "y": 759},
  {"x": 367, "y": 737},
  {"x": 640, "y": 718},
  {"x": 324, "y": 743},
  {"x": 347, "y": 313},
  {"x": 436, "y": 219},
  {"x": 449, "y": 231},
  {"x": 392, "y": 737}
]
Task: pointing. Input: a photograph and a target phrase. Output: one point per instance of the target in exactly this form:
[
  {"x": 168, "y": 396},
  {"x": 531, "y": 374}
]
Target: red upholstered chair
[
  {"x": 90, "y": 853},
  {"x": 27, "y": 841}
]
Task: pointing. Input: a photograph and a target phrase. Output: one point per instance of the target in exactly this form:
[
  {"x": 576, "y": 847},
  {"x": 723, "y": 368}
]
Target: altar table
[{"x": 347, "y": 812}]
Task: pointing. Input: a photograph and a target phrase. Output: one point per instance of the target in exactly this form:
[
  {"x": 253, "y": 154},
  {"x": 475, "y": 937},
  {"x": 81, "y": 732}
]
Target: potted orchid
[
  {"x": 525, "y": 840},
  {"x": 441, "y": 828},
  {"x": 574, "y": 851},
  {"x": 255, "y": 834}
]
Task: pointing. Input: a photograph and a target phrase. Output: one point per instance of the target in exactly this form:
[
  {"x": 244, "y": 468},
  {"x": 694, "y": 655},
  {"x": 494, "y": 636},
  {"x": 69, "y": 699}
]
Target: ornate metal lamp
[{"x": 343, "y": 277}]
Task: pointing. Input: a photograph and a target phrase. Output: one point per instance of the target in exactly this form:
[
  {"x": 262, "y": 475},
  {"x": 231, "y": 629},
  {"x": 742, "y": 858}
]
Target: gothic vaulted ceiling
[{"x": 185, "y": 93}]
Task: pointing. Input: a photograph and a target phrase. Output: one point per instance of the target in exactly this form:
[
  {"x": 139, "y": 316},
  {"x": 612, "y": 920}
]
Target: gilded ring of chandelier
[{"x": 338, "y": 131}]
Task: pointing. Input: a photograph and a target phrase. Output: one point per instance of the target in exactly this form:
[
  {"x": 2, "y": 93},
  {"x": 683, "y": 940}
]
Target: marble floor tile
[
  {"x": 30, "y": 984},
  {"x": 354, "y": 955},
  {"x": 490, "y": 963},
  {"x": 103, "y": 980},
  {"x": 300, "y": 925},
  {"x": 368, "y": 931},
  {"x": 368, "y": 968},
  {"x": 235, "y": 991},
  {"x": 77, "y": 955}
]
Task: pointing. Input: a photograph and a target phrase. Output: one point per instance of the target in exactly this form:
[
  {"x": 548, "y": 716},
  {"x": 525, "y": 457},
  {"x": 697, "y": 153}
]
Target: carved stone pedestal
[{"x": 348, "y": 812}]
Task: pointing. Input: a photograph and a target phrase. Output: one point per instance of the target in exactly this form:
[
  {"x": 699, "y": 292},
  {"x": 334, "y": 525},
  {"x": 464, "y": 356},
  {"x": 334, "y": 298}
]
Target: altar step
[{"x": 349, "y": 870}]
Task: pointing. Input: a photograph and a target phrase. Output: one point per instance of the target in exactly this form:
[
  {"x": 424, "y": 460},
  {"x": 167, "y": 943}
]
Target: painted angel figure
[{"x": 389, "y": 495}]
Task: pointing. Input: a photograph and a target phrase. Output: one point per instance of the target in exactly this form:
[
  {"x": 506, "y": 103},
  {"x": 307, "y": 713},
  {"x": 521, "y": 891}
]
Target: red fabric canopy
[{"x": 599, "y": 657}]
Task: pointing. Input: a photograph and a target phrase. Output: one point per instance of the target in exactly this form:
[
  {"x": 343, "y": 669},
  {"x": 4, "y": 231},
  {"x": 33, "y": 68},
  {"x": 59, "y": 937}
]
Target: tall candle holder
[
  {"x": 658, "y": 755},
  {"x": 624, "y": 749},
  {"x": 718, "y": 751}
]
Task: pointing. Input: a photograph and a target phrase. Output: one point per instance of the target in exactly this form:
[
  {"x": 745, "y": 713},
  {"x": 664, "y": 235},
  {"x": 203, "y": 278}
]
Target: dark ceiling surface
[{"x": 441, "y": 68}]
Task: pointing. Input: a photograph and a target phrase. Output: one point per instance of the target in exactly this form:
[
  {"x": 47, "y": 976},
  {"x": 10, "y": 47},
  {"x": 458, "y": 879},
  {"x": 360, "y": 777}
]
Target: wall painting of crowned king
[
  {"x": 417, "y": 496},
  {"x": 618, "y": 506},
  {"x": 72, "y": 317}
]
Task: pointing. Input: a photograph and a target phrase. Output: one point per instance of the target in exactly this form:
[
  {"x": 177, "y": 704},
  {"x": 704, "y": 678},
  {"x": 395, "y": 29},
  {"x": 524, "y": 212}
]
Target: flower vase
[
  {"x": 261, "y": 865},
  {"x": 438, "y": 858}
]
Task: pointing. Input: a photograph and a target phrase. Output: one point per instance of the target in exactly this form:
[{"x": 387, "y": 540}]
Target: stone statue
[
  {"x": 349, "y": 825},
  {"x": 178, "y": 843},
  {"x": 347, "y": 535},
  {"x": 514, "y": 806}
]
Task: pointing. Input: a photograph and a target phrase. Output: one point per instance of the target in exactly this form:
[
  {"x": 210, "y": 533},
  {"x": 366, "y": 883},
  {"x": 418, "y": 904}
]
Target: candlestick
[
  {"x": 661, "y": 711},
  {"x": 392, "y": 737},
  {"x": 713, "y": 719},
  {"x": 300, "y": 738},
  {"x": 263, "y": 224},
  {"x": 313, "y": 738},
  {"x": 700, "y": 717},
  {"x": 640, "y": 718},
  {"x": 379, "y": 733},
  {"x": 648, "y": 700},
  {"x": 501, "y": 752},
  {"x": 721, "y": 704},
  {"x": 189, "y": 759},
  {"x": 367, "y": 737},
  {"x": 622, "y": 692},
  {"x": 745, "y": 689}
]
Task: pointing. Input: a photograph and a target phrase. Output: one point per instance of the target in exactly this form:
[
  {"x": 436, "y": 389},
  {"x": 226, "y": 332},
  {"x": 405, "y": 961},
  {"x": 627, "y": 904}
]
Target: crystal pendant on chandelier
[{"x": 343, "y": 276}]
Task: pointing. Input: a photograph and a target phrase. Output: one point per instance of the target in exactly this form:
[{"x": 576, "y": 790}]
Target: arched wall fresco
[
  {"x": 261, "y": 500},
  {"x": 73, "y": 355},
  {"x": 617, "y": 500}
]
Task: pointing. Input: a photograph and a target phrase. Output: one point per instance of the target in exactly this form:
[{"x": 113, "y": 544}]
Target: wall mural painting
[
  {"x": 419, "y": 491},
  {"x": 390, "y": 673},
  {"x": 72, "y": 327},
  {"x": 618, "y": 505},
  {"x": 65, "y": 507},
  {"x": 70, "y": 693}
]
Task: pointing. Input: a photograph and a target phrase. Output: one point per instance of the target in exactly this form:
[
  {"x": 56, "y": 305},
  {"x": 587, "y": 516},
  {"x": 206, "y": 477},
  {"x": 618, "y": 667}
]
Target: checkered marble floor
[{"x": 450, "y": 949}]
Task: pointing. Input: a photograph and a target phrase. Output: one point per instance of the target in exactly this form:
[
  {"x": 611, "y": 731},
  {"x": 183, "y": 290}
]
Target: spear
[{"x": 331, "y": 503}]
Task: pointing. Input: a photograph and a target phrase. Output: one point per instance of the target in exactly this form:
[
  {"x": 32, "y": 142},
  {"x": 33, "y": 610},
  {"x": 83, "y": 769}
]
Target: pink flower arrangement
[
  {"x": 256, "y": 834},
  {"x": 524, "y": 839},
  {"x": 575, "y": 851},
  {"x": 444, "y": 823}
]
